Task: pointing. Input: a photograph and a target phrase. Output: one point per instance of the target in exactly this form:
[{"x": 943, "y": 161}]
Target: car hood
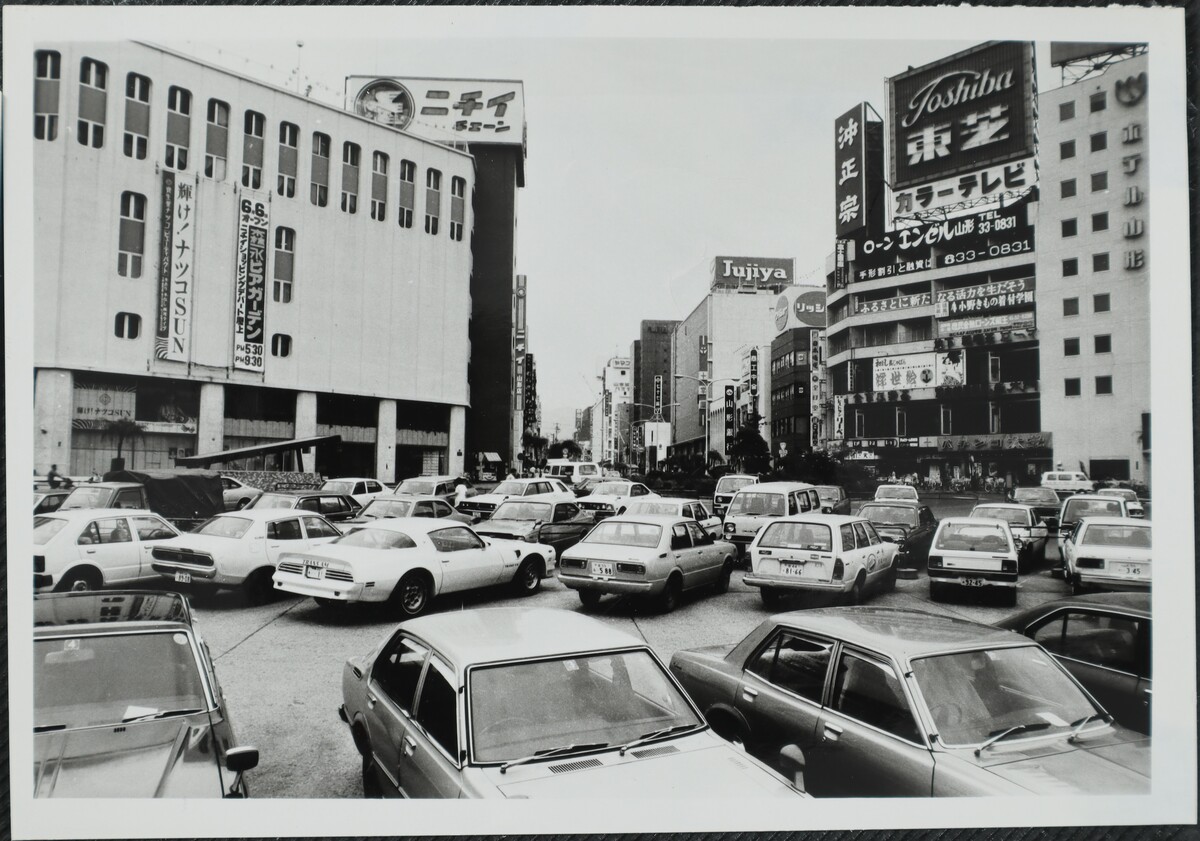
[
  {"x": 610, "y": 552},
  {"x": 494, "y": 499},
  {"x": 173, "y": 757},
  {"x": 506, "y": 528},
  {"x": 692, "y": 767},
  {"x": 208, "y": 544}
]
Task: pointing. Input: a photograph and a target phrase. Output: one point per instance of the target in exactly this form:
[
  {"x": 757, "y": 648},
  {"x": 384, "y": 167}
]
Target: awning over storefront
[
  {"x": 493, "y": 458},
  {"x": 295, "y": 444}
]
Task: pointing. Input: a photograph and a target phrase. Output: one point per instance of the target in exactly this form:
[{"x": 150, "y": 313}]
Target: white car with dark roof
[
  {"x": 1111, "y": 553},
  {"x": 543, "y": 490}
]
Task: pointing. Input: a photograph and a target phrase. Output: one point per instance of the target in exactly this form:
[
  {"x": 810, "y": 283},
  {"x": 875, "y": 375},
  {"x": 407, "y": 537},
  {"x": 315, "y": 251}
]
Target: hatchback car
[
  {"x": 483, "y": 505},
  {"x": 905, "y": 492},
  {"x": 534, "y": 703},
  {"x": 1103, "y": 639},
  {"x": 973, "y": 552},
  {"x": 651, "y": 556},
  {"x": 677, "y": 507},
  {"x": 556, "y": 524},
  {"x": 1028, "y": 530},
  {"x": 1044, "y": 502},
  {"x": 126, "y": 701},
  {"x": 753, "y": 506},
  {"x": 1132, "y": 504},
  {"x": 727, "y": 486},
  {"x": 444, "y": 487},
  {"x": 361, "y": 490},
  {"x": 610, "y": 496},
  {"x": 44, "y": 502},
  {"x": 820, "y": 553},
  {"x": 887, "y": 702},
  {"x": 237, "y": 494},
  {"x": 89, "y": 548},
  {"x": 1109, "y": 552},
  {"x": 910, "y": 525},
  {"x": 334, "y": 507}
]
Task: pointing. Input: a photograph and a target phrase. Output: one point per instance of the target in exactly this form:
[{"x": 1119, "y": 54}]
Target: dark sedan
[
  {"x": 834, "y": 498},
  {"x": 1104, "y": 640},
  {"x": 1044, "y": 501},
  {"x": 910, "y": 525},
  {"x": 890, "y": 702},
  {"x": 335, "y": 507},
  {"x": 557, "y": 524}
]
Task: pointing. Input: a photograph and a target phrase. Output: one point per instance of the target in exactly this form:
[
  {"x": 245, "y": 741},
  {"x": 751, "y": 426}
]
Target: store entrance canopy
[
  {"x": 295, "y": 445},
  {"x": 493, "y": 458}
]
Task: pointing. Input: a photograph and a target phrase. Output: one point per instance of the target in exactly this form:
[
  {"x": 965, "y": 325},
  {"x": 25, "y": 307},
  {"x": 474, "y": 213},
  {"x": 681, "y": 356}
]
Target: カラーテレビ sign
[{"x": 249, "y": 298}]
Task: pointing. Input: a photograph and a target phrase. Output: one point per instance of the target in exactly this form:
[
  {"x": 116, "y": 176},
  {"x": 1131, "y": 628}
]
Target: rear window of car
[
  {"x": 233, "y": 527},
  {"x": 828, "y": 495},
  {"x": 1137, "y": 537},
  {"x": 368, "y": 538},
  {"x": 87, "y": 498},
  {"x": 1127, "y": 495},
  {"x": 813, "y": 536},
  {"x": 668, "y": 509},
  {"x": 972, "y": 537},
  {"x": 416, "y": 486},
  {"x": 274, "y": 501},
  {"x": 895, "y": 493},
  {"x": 731, "y": 484},
  {"x": 1012, "y": 516},
  {"x": 889, "y": 515},
  {"x": 1078, "y": 508},
  {"x": 644, "y": 535},
  {"x": 338, "y": 487},
  {"x": 45, "y": 528},
  {"x": 754, "y": 504},
  {"x": 1035, "y": 495}
]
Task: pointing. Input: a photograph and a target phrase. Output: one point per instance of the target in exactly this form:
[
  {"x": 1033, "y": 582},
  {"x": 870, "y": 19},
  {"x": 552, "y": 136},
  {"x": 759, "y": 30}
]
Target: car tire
[
  {"x": 722, "y": 584},
  {"x": 889, "y": 578},
  {"x": 1077, "y": 588},
  {"x": 589, "y": 598},
  {"x": 80, "y": 581},
  {"x": 672, "y": 595},
  {"x": 528, "y": 579},
  {"x": 412, "y": 595},
  {"x": 937, "y": 591},
  {"x": 855, "y": 596},
  {"x": 771, "y": 599},
  {"x": 1009, "y": 597},
  {"x": 258, "y": 587}
]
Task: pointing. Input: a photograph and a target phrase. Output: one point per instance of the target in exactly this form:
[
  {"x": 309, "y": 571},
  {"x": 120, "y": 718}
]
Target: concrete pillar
[
  {"x": 210, "y": 430},
  {"x": 53, "y": 408},
  {"x": 458, "y": 438},
  {"x": 385, "y": 442},
  {"x": 306, "y": 426}
]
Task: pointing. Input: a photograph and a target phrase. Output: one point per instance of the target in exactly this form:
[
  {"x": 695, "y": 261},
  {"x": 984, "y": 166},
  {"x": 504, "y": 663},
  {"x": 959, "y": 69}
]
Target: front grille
[
  {"x": 338, "y": 575},
  {"x": 596, "y": 506},
  {"x": 292, "y": 567},
  {"x": 183, "y": 556}
]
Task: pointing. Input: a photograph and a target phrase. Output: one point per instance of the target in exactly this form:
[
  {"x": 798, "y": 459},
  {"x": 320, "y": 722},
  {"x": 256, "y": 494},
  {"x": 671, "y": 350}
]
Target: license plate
[
  {"x": 312, "y": 572},
  {"x": 1130, "y": 569},
  {"x": 183, "y": 577},
  {"x": 973, "y": 582},
  {"x": 795, "y": 570},
  {"x": 601, "y": 569}
]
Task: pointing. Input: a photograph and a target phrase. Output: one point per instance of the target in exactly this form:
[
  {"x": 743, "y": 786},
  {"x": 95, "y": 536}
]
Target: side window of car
[
  {"x": 1098, "y": 638},
  {"x": 872, "y": 537},
  {"x": 374, "y": 488},
  {"x": 152, "y": 528},
  {"x": 795, "y": 663},
  {"x": 316, "y": 527},
  {"x": 437, "y": 710},
  {"x": 869, "y": 691},
  {"x": 860, "y": 532},
  {"x": 423, "y": 509},
  {"x": 441, "y": 509},
  {"x": 114, "y": 530},
  {"x": 454, "y": 540},
  {"x": 814, "y": 500},
  {"x": 128, "y": 498},
  {"x": 640, "y": 490},
  {"x": 565, "y": 511},
  {"x": 333, "y": 505},
  {"x": 310, "y": 503},
  {"x": 793, "y": 504},
  {"x": 679, "y": 537},
  {"x": 927, "y": 516},
  {"x": 398, "y": 671},
  {"x": 288, "y": 529},
  {"x": 89, "y": 536},
  {"x": 697, "y": 533},
  {"x": 227, "y": 483},
  {"x": 848, "y": 542},
  {"x": 359, "y": 488}
]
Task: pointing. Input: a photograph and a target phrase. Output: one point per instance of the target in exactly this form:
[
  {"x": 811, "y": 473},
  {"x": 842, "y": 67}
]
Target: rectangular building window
[
  {"x": 1100, "y": 262},
  {"x": 1066, "y": 149},
  {"x": 1071, "y": 347},
  {"x": 901, "y": 423},
  {"x": 1070, "y": 267},
  {"x": 179, "y": 127},
  {"x": 994, "y": 368},
  {"x": 1070, "y": 306},
  {"x": 127, "y": 325},
  {"x": 1099, "y": 181},
  {"x": 1104, "y": 385},
  {"x": 1071, "y": 387},
  {"x": 137, "y": 116},
  {"x": 379, "y": 175},
  {"x": 319, "y": 192},
  {"x": 860, "y": 424},
  {"x": 947, "y": 421},
  {"x": 281, "y": 345},
  {"x": 350, "y": 155},
  {"x": 289, "y": 151},
  {"x": 458, "y": 207},
  {"x": 93, "y": 102},
  {"x": 408, "y": 193},
  {"x": 1099, "y": 222},
  {"x": 1070, "y": 227},
  {"x": 1098, "y": 102},
  {"x": 1101, "y": 302},
  {"x": 994, "y": 418},
  {"x": 1067, "y": 188},
  {"x": 252, "y": 150},
  {"x": 47, "y": 74},
  {"x": 131, "y": 235},
  {"x": 1066, "y": 111},
  {"x": 1103, "y": 344},
  {"x": 433, "y": 200},
  {"x": 216, "y": 141},
  {"x": 1099, "y": 141},
  {"x": 285, "y": 253}
]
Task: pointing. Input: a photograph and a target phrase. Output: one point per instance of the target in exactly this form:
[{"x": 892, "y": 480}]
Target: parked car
[
  {"x": 905, "y": 492},
  {"x": 408, "y": 562},
  {"x": 610, "y": 496},
  {"x": 676, "y": 507},
  {"x": 650, "y": 556},
  {"x": 521, "y": 703},
  {"x": 585, "y": 486},
  {"x": 910, "y": 525},
  {"x": 1045, "y": 504},
  {"x": 889, "y": 702},
  {"x": 483, "y": 505},
  {"x": 1067, "y": 482},
  {"x": 126, "y": 701},
  {"x": 573, "y": 472},
  {"x": 359, "y": 489},
  {"x": 556, "y": 524},
  {"x": 1132, "y": 504},
  {"x": 1074, "y": 508},
  {"x": 1103, "y": 639},
  {"x": 236, "y": 493},
  {"x": 444, "y": 487},
  {"x": 184, "y": 497},
  {"x": 973, "y": 552},
  {"x": 396, "y": 505},
  {"x": 1108, "y": 552},
  {"x": 1028, "y": 530},
  {"x": 239, "y": 549},
  {"x": 820, "y": 553},
  {"x": 90, "y": 548},
  {"x": 336, "y": 508},
  {"x": 755, "y": 505},
  {"x": 45, "y": 502},
  {"x": 833, "y": 498},
  {"x": 727, "y": 486}
]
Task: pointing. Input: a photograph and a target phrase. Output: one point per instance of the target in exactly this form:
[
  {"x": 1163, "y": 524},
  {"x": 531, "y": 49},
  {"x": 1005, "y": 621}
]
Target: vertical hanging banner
[
  {"x": 658, "y": 397},
  {"x": 730, "y": 415},
  {"x": 175, "y": 268},
  {"x": 249, "y": 297}
]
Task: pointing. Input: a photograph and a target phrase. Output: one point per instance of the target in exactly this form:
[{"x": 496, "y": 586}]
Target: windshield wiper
[
  {"x": 657, "y": 734},
  {"x": 1083, "y": 722},
  {"x": 161, "y": 714},
  {"x": 1003, "y": 734},
  {"x": 564, "y": 750}
]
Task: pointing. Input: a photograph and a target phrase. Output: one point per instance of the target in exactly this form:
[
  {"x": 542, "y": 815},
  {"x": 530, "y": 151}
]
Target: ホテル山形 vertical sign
[
  {"x": 249, "y": 296},
  {"x": 175, "y": 268}
]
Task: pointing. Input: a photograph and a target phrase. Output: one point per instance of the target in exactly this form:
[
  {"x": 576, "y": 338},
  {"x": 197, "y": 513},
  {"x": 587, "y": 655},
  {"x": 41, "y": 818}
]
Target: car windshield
[
  {"x": 87, "y": 498},
  {"x": 92, "y": 680},
  {"x": 1076, "y": 509},
  {"x": 1036, "y": 496},
  {"x": 1099, "y": 534},
  {"x": 972, "y": 537},
  {"x": 610, "y": 488},
  {"x": 338, "y": 487},
  {"x": 522, "y": 511},
  {"x": 369, "y": 538},
  {"x": 1012, "y": 516},
  {"x": 45, "y": 528},
  {"x": 1123, "y": 493},
  {"x": 225, "y": 527},
  {"x": 829, "y": 495},
  {"x": 601, "y": 699},
  {"x": 732, "y": 484},
  {"x": 645, "y": 535},
  {"x": 889, "y": 515},
  {"x": 416, "y": 486},
  {"x": 379, "y": 508},
  {"x": 814, "y": 536},
  {"x": 977, "y": 695},
  {"x": 274, "y": 501},
  {"x": 752, "y": 504},
  {"x": 895, "y": 493},
  {"x": 510, "y": 488},
  {"x": 667, "y": 509}
]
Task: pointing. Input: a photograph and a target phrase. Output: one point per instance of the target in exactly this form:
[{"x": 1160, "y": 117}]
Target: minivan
[
  {"x": 571, "y": 472},
  {"x": 753, "y": 506}
]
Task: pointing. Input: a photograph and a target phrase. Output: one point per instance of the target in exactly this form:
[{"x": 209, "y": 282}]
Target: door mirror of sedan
[
  {"x": 240, "y": 760},
  {"x": 791, "y": 762},
  {"x": 621, "y": 510}
]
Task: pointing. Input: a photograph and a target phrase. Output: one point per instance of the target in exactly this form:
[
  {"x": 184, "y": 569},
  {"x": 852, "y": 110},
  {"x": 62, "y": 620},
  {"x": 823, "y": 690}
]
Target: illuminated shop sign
[{"x": 850, "y": 165}]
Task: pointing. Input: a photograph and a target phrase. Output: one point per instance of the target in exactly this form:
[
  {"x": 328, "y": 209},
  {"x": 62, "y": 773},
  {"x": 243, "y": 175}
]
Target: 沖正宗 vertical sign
[
  {"x": 175, "y": 268},
  {"x": 249, "y": 296}
]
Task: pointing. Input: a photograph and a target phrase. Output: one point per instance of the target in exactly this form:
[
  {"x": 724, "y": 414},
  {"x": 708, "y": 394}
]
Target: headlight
[{"x": 729, "y": 528}]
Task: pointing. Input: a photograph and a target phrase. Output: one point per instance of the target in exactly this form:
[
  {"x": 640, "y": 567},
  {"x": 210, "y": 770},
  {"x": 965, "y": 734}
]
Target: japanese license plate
[
  {"x": 1130, "y": 569},
  {"x": 973, "y": 582},
  {"x": 183, "y": 577},
  {"x": 599, "y": 568},
  {"x": 795, "y": 570},
  {"x": 312, "y": 572}
]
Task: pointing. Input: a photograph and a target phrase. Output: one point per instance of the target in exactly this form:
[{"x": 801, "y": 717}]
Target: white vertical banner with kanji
[
  {"x": 172, "y": 335},
  {"x": 249, "y": 296}
]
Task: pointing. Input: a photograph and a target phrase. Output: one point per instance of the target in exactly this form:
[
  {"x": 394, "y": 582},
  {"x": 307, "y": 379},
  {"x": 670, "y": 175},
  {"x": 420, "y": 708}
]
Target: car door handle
[
  {"x": 749, "y": 693},
  {"x": 371, "y": 700},
  {"x": 408, "y": 746},
  {"x": 832, "y": 733}
]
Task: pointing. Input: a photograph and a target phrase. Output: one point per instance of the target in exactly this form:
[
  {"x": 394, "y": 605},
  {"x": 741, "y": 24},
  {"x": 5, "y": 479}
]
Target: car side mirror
[
  {"x": 791, "y": 762},
  {"x": 240, "y": 760},
  {"x": 888, "y": 538},
  {"x": 826, "y": 509}
]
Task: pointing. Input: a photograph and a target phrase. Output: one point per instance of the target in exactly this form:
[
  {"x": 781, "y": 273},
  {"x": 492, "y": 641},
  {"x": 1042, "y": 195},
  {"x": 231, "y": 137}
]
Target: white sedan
[
  {"x": 87, "y": 548},
  {"x": 677, "y": 507},
  {"x": 610, "y": 496},
  {"x": 407, "y": 561},
  {"x": 1109, "y": 552},
  {"x": 240, "y": 548},
  {"x": 362, "y": 490}
]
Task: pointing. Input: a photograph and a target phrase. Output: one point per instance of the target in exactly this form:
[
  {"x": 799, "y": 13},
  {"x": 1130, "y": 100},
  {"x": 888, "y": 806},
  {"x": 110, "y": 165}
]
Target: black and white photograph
[{"x": 688, "y": 419}]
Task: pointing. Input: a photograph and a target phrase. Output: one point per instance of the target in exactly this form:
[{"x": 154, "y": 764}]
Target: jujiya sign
[
  {"x": 175, "y": 270},
  {"x": 250, "y": 293}
]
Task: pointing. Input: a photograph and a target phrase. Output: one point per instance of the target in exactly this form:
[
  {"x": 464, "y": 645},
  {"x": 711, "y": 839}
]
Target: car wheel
[
  {"x": 672, "y": 594},
  {"x": 370, "y": 782},
  {"x": 722, "y": 584},
  {"x": 80, "y": 581},
  {"x": 889, "y": 578},
  {"x": 855, "y": 596},
  {"x": 528, "y": 579},
  {"x": 1009, "y": 597},
  {"x": 258, "y": 586},
  {"x": 771, "y": 599},
  {"x": 937, "y": 591},
  {"x": 590, "y": 599},
  {"x": 412, "y": 594},
  {"x": 1076, "y": 585}
]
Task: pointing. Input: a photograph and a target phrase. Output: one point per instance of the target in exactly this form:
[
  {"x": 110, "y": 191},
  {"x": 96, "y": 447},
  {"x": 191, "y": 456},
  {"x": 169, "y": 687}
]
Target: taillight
[
  {"x": 1090, "y": 563},
  {"x": 935, "y": 561},
  {"x": 838, "y": 570},
  {"x": 39, "y": 563},
  {"x": 1008, "y": 566},
  {"x": 634, "y": 569}
]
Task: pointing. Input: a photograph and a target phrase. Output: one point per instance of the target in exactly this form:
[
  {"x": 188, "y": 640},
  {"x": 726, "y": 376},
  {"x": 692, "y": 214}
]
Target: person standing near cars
[
  {"x": 53, "y": 479},
  {"x": 460, "y": 492}
]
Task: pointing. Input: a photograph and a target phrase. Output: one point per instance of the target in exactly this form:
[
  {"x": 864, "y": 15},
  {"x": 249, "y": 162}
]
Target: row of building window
[
  {"x": 1070, "y": 227},
  {"x": 1100, "y": 263},
  {"x": 1100, "y": 344},
  {"x": 1096, "y": 102},
  {"x": 1098, "y": 143},
  {"x": 1069, "y": 188},
  {"x": 1073, "y": 386},
  {"x": 1101, "y": 302},
  {"x": 91, "y": 125},
  {"x": 995, "y": 425},
  {"x": 128, "y": 325}
]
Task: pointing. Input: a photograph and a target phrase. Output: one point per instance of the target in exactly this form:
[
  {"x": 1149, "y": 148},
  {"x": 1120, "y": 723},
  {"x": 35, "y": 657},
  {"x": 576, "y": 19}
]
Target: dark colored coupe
[{"x": 557, "y": 524}]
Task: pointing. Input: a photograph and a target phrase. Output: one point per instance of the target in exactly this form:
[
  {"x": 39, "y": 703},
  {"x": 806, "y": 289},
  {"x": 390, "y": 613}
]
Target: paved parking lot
[{"x": 281, "y": 663}]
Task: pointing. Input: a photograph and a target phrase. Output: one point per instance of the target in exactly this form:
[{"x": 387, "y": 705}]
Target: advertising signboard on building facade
[
  {"x": 658, "y": 396},
  {"x": 1004, "y": 321},
  {"x": 249, "y": 299},
  {"x": 172, "y": 334},
  {"x": 754, "y": 375},
  {"x": 850, "y": 167},
  {"x": 730, "y": 414},
  {"x": 810, "y": 308},
  {"x": 900, "y": 302},
  {"x": 918, "y": 370},
  {"x": 474, "y": 111},
  {"x": 988, "y": 297},
  {"x": 753, "y": 273}
]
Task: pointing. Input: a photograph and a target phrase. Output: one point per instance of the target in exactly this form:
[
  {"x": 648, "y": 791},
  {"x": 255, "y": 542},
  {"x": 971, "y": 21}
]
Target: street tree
[
  {"x": 749, "y": 448},
  {"x": 125, "y": 429},
  {"x": 565, "y": 449}
]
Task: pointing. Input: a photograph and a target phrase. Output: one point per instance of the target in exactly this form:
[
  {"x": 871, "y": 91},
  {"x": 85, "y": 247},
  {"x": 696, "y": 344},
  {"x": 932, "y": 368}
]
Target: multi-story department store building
[{"x": 229, "y": 264}]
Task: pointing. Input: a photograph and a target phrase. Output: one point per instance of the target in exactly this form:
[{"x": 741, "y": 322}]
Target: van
[
  {"x": 571, "y": 472},
  {"x": 753, "y": 506},
  {"x": 1066, "y": 482}
]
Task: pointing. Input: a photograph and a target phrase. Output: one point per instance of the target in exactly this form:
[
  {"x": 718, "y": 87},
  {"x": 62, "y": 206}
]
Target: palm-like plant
[{"x": 125, "y": 429}]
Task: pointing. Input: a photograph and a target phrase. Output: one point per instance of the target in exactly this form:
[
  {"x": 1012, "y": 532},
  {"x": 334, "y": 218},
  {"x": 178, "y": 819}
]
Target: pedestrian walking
[
  {"x": 53, "y": 479},
  {"x": 460, "y": 492}
]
